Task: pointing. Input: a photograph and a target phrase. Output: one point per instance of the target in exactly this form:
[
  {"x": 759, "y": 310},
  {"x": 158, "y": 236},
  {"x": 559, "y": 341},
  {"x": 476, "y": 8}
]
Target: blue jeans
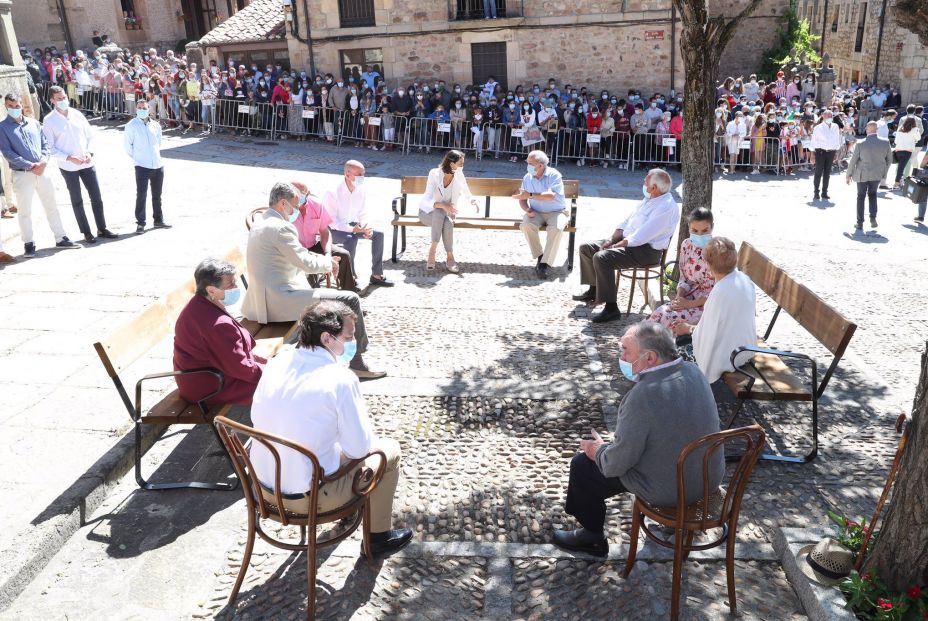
[
  {"x": 349, "y": 241},
  {"x": 489, "y": 8}
]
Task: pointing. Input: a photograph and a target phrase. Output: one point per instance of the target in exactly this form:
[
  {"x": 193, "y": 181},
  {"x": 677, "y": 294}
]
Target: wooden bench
[
  {"x": 766, "y": 377},
  {"x": 134, "y": 339},
  {"x": 488, "y": 188}
]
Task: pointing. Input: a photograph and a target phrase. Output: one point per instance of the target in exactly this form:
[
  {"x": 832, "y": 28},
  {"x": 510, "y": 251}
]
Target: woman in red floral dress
[{"x": 695, "y": 280}]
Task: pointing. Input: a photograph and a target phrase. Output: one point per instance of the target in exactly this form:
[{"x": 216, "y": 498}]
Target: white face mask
[{"x": 358, "y": 182}]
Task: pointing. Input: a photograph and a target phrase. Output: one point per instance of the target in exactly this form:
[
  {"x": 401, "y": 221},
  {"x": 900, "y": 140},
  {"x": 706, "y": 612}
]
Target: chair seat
[
  {"x": 784, "y": 385},
  {"x": 490, "y": 224},
  {"x": 695, "y": 513}
]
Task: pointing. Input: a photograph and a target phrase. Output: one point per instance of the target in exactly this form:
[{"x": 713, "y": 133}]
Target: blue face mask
[
  {"x": 530, "y": 169},
  {"x": 293, "y": 216},
  {"x": 14, "y": 113},
  {"x": 701, "y": 241},
  {"x": 626, "y": 368},
  {"x": 142, "y": 114},
  {"x": 358, "y": 182},
  {"x": 644, "y": 190},
  {"x": 231, "y": 297},
  {"x": 302, "y": 200},
  {"x": 351, "y": 348},
  {"x": 64, "y": 104}
]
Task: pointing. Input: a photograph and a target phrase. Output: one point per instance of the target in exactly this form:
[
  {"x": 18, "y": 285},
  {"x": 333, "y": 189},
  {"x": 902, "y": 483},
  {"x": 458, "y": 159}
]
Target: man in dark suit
[{"x": 869, "y": 163}]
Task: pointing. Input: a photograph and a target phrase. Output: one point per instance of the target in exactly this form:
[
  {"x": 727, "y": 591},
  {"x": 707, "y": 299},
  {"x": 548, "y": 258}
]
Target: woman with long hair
[{"x": 445, "y": 189}]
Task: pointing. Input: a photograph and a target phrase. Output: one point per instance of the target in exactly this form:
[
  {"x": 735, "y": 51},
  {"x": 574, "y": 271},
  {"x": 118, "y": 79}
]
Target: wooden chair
[
  {"x": 365, "y": 481},
  {"x": 647, "y": 272},
  {"x": 313, "y": 278},
  {"x": 719, "y": 508}
]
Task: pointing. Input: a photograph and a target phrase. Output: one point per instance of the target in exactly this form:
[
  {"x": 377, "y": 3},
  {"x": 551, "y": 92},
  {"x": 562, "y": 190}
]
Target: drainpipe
[
  {"x": 879, "y": 44},
  {"x": 824, "y": 26},
  {"x": 63, "y": 15},
  {"x": 673, "y": 45}
]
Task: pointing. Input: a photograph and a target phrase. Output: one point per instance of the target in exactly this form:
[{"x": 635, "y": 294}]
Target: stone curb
[
  {"x": 819, "y": 603},
  {"x": 67, "y": 514}
]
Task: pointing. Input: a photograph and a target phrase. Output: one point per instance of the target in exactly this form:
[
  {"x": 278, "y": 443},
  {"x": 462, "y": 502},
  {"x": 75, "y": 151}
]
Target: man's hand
[
  {"x": 848, "y": 180},
  {"x": 38, "y": 168},
  {"x": 521, "y": 195},
  {"x": 589, "y": 448},
  {"x": 680, "y": 328},
  {"x": 303, "y": 189},
  {"x": 530, "y": 212},
  {"x": 334, "y": 270}
]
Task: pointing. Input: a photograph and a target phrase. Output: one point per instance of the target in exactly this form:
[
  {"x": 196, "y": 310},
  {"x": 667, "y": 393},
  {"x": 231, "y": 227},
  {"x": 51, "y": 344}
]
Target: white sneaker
[{"x": 755, "y": 172}]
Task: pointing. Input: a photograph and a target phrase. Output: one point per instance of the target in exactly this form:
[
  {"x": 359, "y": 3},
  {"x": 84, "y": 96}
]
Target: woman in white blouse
[{"x": 445, "y": 188}]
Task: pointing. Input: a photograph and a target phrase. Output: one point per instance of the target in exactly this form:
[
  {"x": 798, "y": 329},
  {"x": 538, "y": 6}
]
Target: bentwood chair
[
  {"x": 364, "y": 481},
  {"x": 646, "y": 273},
  {"x": 718, "y": 508}
]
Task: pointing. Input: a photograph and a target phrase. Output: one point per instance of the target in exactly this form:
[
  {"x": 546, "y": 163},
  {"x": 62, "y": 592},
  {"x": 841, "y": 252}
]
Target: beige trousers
[
  {"x": 338, "y": 493},
  {"x": 555, "y": 221},
  {"x": 26, "y": 185}
]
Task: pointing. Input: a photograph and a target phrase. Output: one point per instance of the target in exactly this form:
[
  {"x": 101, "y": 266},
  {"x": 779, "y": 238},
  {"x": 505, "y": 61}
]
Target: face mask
[
  {"x": 457, "y": 90},
  {"x": 293, "y": 216},
  {"x": 142, "y": 114},
  {"x": 341, "y": 84},
  {"x": 718, "y": 115},
  {"x": 572, "y": 106},
  {"x": 644, "y": 191},
  {"x": 351, "y": 348},
  {"x": 400, "y": 93},
  {"x": 64, "y": 104},
  {"x": 14, "y": 113},
  {"x": 526, "y": 108},
  {"x": 653, "y": 105},
  {"x": 626, "y": 368},
  {"x": 827, "y": 121},
  {"x": 605, "y": 97},
  {"x": 458, "y": 105},
  {"x": 231, "y": 296},
  {"x": 512, "y": 106},
  {"x": 700, "y": 241},
  {"x": 358, "y": 182},
  {"x": 302, "y": 200},
  {"x": 594, "y": 114}
]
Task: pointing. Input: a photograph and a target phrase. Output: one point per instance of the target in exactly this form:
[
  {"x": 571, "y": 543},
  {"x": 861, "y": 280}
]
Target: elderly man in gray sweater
[{"x": 670, "y": 405}]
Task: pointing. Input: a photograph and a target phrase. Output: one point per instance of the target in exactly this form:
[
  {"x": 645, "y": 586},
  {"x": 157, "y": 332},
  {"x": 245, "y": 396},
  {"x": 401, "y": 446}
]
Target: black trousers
[
  {"x": 87, "y": 176},
  {"x": 347, "y": 281},
  {"x": 144, "y": 176},
  {"x": 823, "y": 162},
  {"x": 866, "y": 189},
  {"x": 587, "y": 491}
]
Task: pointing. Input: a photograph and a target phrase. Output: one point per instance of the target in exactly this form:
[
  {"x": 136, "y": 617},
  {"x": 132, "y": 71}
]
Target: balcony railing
[
  {"x": 356, "y": 13},
  {"x": 460, "y": 10}
]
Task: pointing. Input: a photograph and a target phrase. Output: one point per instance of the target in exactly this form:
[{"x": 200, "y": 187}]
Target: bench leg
[
  {"x": 790, "y": 459},
  {"x": 395, "y": 234},
  {"x": 144, "y": 484},
  {"x": 570, "y": 251}
]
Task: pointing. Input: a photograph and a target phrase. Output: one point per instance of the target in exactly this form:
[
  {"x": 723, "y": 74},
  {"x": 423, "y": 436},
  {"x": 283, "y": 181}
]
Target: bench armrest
[
  {"x": 399, "y": 201},
  {"x": 573, "y": 212},
  {"x": 201, "y": 403},
  {"x": 762, "y": 350}
]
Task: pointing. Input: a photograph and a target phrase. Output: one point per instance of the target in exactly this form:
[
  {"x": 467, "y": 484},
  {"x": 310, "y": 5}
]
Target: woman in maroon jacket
[{"x": 206, "y": 336}]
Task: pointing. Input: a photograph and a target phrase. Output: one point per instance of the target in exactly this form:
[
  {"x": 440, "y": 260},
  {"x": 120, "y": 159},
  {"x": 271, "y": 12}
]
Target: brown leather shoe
[
  {"x": 360, "y": 369},
  {"x": 6, "y": 258}
]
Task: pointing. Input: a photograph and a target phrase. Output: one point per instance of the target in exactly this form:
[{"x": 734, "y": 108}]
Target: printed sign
[
  {"x": 245, "y": 109},
  {"x": 669, "y": 142},
  {"x": 309, "y": 114},
  {"x": 517, "y": 133},
  {"x": 444, "y": 128},
  {"x": 130, "y": 96},
  {"x": 374, "y": 121},
  {"x": 745, "y": 144},
  {"x": 593, "y": 138},
  {"x": 653, "y": 35}
]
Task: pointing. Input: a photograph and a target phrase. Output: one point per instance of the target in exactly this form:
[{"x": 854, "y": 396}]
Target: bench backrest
[
  {"x": 132, "y": 340},
  {"x": 487, "y": 187},
  {"x": 828, "y": 326}
]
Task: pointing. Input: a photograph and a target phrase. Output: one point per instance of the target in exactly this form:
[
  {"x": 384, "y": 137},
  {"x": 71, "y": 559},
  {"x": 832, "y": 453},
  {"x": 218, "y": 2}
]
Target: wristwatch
[{"x": 531, "y": 195}]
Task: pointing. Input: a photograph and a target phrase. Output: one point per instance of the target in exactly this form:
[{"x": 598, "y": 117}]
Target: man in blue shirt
[
  {"x": 541, "y": 197},
  {"x": 24, "y": 146},
  {"x": 142, "y": 140}
]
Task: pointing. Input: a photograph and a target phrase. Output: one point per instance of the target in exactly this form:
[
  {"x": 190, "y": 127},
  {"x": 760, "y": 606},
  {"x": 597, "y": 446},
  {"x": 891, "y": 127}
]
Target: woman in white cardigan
[{"x": 444, "y": 190}]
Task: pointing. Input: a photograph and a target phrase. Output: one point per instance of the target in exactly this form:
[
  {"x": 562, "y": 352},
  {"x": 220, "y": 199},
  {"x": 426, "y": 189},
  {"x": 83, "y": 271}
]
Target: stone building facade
[
  {"x": 159, "y": 23},
  {"x": 617, "y": 44},
  {"x": 856, "y": 33}
]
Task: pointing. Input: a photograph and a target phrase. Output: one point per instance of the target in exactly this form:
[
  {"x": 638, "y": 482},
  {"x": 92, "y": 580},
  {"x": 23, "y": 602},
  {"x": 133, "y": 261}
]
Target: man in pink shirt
[{"x": 312, "y": 226}]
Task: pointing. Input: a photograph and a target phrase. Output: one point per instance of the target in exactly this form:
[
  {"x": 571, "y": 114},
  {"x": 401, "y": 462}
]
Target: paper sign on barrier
[
  {"x": 518, "y": 133},
  {"x": 593, "y": 138},
  {"x": 374, "y": 121},
  {"x": 309, "y": 114},
  {"x": 444, "y": 128},
  {"x": 130, "y": 96},
  {"x": 245, "y": 109},
  {"x": 669, "y": 142},
  {"x": 745, "y": 144}
]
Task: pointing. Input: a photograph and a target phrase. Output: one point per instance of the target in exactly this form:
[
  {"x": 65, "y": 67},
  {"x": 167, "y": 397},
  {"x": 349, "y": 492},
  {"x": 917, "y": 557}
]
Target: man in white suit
[{"x": 277, "y": 262}]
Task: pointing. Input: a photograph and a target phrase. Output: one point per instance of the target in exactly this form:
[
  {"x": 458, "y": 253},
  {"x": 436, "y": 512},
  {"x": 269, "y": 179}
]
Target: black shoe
[
  {"x": 29, "y": 250},
  {"x": 920, "y": 220},
  {"x": 825, "y": 197},
  {"x": 815, "y": 196},
  {"x": 581, "y": 540},
  {"x": 161, "y": 225},
  {"x": 538, "y": 261},
  {"x": 140, "y": 229},
  {"x": 542, "y": 270},
  {"x": 859, "y": 226},
  {"x": 107, "y": 234},
  {"x": 606, "y": 315},
  {"x": 389, "y": 541},
  {"x": 587, "y": 296},
  {"x": 381, "y": 282},
  {"x": 66, "y": 243},
  {"x": 873, "y": 224},
  {"x": 90, "y": 239}
]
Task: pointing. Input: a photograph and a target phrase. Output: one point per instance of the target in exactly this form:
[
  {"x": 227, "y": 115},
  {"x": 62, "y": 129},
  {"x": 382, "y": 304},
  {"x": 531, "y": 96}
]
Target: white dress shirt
[
  {"x": 436, "y": 192},
  {"x": 68, "y": 136},
  {"x": 143, "y": 143},
  {"x": 826, "y": 136},
  {"x": 304, "y": 395},
  {"x": 654, "y": 222},
  {"x": 345, "y": 206}
]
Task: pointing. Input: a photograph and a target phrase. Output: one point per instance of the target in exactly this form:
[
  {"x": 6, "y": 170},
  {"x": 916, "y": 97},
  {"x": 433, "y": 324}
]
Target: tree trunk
[
  {"x": 900, "y": 554},
  {"x": 702, "y": 42}
]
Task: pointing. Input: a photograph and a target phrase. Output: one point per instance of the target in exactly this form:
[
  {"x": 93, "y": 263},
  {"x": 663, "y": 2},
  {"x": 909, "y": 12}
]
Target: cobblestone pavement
[{"x": 494, "y": 377}]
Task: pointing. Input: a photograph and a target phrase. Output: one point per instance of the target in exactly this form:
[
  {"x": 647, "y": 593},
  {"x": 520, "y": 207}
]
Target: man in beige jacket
[{"x": 277, "y": 262}]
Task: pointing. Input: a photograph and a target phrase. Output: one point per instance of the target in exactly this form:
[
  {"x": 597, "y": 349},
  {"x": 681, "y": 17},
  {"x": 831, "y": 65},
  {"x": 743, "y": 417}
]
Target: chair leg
[
  {"x": 647, "y": 294},
  {"x": 311, "y": 575},
  {"x": 303, "y": 534},
  {"x": 730, "y": 568},
  {"x": 366, "y": 532},
  {"x": 688, "y": 544},
  {"x": 632, "y": 543},
  {"x": 246, "y": 559},
  {"x": 631, "y": 292},
  {"x": 677, "y": 576}
]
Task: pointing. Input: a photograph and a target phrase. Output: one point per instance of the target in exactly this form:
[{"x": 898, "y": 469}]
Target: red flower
[
  {"x": 884, "y": 604},
  {"x": 867, "y": 577},
  {"x": 915, "y": 592},
  {"x": 852, "y": 524},
  {"x": 866, "y": 530}
]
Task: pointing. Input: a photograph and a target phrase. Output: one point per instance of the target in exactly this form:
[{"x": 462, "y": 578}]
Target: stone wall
[{"x": 37, "y": 24}]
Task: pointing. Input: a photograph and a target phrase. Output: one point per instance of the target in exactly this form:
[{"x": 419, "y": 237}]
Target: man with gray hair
[
  {"x": 277, "y": 264},
  {"x": 638, "y": 241},
  {"x": 669, "y": 406},
  {"x": 541, "y": 197},
  {"x": 869, "y": 164}
]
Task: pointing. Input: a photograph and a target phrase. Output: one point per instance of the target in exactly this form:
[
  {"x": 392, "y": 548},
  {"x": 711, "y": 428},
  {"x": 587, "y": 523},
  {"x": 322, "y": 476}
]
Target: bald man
[{"x": 347, "y": 205}]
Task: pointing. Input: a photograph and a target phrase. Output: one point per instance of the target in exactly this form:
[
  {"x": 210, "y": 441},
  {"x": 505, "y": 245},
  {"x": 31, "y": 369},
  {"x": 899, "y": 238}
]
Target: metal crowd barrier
[
  {"x": 653, "y": 148},
  {"x": 584, "y": 146},
  {"x": 384, "y": 132}
]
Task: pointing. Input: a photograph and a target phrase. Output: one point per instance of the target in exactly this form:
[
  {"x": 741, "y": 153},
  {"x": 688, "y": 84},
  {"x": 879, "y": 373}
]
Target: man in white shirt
[
  {"x": 347, "y": 205},
  {"x": 307, "y": 394},
  {"x": 142, "y": 140},
  {"x": 638, "y": 241},
  {"x": 69, "y": 137},
  {"x": 826, "y": 140},
  {"x": 727, "y": 321}
]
